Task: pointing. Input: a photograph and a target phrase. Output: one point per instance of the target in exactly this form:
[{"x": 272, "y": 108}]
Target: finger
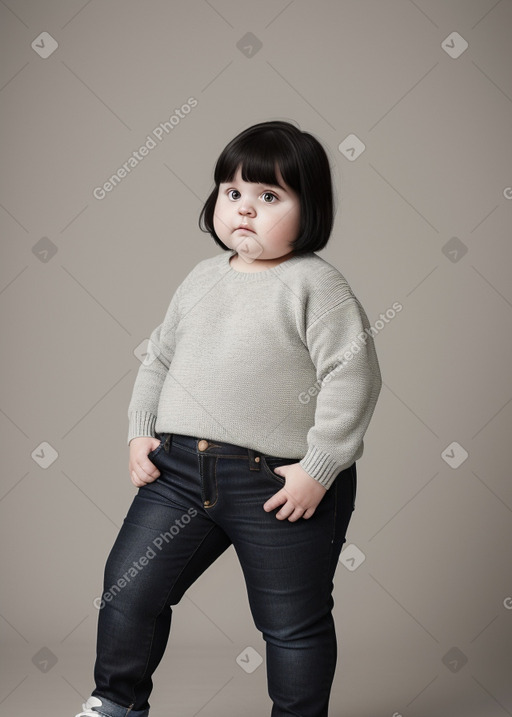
[
  {"x": 275, "y": 501},
  {"x": 137, "y": 482},
  {"x": 146, "y": 470},
  {"x": 148, "y": 466},
  {"x": 287, "y": 509},
  {"x": 143, "y": 480},
  {"x": 294, "y": 517},
  {"x": 149, "y": 479},
  {"x": 297, "y": 513},
  {"x": 292, "y": 495}
]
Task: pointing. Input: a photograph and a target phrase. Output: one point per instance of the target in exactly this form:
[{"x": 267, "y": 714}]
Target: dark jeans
[{"x": 208, "y": 496}]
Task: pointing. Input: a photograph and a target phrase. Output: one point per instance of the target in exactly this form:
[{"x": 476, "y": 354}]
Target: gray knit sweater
[{"x": 278, "y": 360}]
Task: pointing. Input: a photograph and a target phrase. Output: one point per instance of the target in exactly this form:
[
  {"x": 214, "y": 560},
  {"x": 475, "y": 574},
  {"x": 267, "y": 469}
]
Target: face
[{"x": 268, "y": 214}]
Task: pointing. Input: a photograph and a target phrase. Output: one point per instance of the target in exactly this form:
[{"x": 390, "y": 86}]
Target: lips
[{"x": 245, "y": 229}]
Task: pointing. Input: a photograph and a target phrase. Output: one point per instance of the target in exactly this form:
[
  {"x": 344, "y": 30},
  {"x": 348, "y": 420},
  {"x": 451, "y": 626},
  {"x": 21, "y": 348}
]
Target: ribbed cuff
[
  {"x": 141, "y": 423},
  {"x": 321, "y": 466}
]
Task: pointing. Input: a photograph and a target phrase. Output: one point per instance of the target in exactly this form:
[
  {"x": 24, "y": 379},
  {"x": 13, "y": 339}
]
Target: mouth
[{"x": 245, "y": 229}]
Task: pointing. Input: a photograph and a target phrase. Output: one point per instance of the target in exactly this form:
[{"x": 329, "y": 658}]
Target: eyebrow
[{"x": 261, "y": 184}]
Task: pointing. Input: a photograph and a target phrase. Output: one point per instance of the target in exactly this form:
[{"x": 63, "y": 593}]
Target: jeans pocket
[
  {"x": 155, "y": 451},
  {"x": 271, "y": 462}
]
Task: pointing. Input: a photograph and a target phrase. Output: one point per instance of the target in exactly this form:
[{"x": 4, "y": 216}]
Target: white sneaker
[{"x": 87, "y": 710}]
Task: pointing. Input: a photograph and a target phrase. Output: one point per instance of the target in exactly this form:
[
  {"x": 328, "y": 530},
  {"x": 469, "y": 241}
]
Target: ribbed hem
[
  {"x": 141, "y": 423},
  {"x": 321, "y": 466}
]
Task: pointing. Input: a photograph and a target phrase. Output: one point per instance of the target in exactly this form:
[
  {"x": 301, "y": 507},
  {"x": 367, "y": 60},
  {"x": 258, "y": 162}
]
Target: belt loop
[
  {"x": 167, "y": 442},
  {"x": 254, "y": 460}
]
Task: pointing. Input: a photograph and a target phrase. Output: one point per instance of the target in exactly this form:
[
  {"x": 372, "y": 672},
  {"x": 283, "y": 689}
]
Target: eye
[
  {"x": 230, "y": 192},
  {"x": 268, "y": 194}
]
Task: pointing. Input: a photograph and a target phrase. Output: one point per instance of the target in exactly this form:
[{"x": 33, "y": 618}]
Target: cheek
[
  {"x": 218, "y": 224},
  {"x": 219, "y": 212},
  {"x": 222, "y": 219},
  {"x": 295, "y": 222},
  {"x": 287, "y": 226},
  {"x": 218, "y": 207}
]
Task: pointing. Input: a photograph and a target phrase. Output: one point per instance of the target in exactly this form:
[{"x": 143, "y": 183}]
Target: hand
[
  {"x": 300, "y": 495},
  {"x": 142, "y": 471}
]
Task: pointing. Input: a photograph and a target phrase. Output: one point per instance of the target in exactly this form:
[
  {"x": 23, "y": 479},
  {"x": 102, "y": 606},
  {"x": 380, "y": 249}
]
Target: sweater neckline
[{"x": 265, "y": 274}]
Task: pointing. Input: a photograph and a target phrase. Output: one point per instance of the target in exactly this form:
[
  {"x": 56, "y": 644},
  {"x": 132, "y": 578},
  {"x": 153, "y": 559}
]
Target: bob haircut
[{"x": 304, "y": 166}]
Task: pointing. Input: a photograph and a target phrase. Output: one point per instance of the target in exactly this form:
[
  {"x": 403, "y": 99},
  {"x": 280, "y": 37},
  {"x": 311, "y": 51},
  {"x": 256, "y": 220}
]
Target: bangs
[{"x": 258, "y": 159}]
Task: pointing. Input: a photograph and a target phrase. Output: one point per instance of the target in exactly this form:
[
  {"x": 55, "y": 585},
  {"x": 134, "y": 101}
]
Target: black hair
[{"x": 304, "y": 166}]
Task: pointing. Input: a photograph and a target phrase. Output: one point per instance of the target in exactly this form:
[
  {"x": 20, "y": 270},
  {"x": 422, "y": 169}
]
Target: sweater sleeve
[
  {"x": 143, "y": 407},
  {"x": 348, "y": 385}
]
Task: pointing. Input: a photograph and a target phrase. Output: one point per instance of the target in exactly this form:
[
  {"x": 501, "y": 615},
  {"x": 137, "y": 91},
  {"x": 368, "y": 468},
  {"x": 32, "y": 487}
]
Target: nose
[{"x": 246, "y": 208}]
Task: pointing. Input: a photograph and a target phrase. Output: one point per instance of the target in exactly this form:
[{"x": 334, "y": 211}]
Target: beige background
[{"x": 83, "y": 282}]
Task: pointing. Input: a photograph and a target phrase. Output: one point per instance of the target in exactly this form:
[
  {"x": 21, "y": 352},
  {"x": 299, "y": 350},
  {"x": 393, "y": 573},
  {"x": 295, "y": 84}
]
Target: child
[{"x": 246, "y": 419}]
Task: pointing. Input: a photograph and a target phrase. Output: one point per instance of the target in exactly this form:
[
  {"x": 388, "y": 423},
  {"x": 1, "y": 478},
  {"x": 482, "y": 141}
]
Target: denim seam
[
  {"x": 353, "y": 486},
  {"x": 334, "y": 488},
  {"x": 328, "y": 587},
  {"x": 212, "y": 505},
  {"x": 335, "y": 511},
  {"x": 201, "y": 475}
]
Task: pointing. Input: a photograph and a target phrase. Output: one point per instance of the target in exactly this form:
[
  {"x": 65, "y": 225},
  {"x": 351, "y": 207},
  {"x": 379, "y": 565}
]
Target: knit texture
[{"x": 277, "y": 360}]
